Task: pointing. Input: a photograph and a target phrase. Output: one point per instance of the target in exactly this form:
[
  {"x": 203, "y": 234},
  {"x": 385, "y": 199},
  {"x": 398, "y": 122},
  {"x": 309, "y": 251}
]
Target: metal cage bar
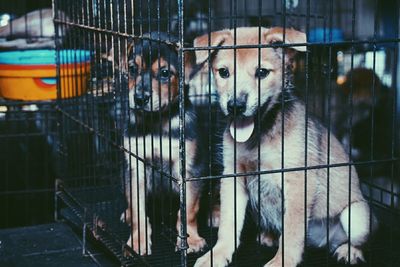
[{"x": 136, "y": 139}]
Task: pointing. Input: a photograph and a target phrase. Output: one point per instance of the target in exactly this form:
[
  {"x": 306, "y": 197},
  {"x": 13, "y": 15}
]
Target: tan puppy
[{"x": 256, "y": 123}]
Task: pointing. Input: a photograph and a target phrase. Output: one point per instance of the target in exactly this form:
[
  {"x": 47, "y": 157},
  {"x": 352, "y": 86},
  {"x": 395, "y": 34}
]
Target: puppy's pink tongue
[{"x": 244, "y": 129}]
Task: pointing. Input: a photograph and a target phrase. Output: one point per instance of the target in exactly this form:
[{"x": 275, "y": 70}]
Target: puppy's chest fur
[
  {"x": 157, "y": 143},
  {"x": 286, "y": 150},
  {"x": 263, "y": 150},
  {"x": 265, "y": 154},
  {"x": 269, "y": 187}
]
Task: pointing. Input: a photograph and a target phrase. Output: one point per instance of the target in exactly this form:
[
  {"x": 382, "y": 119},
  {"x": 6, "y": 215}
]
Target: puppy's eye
[
  {"x": 261, "y": 73},
  {"x": 276, "y": 42},
  {"x": 224, "y": 73},
  {"x": 165, "y": 73}
]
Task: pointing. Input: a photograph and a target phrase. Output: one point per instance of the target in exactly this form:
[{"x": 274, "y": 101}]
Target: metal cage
[{"x": 125, "y": 165}]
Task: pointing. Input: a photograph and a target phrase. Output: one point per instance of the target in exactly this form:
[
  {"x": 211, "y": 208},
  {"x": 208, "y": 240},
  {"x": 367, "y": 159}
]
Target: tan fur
[
  {"x": 294, "y": 151},
  {"x": 247, "y": 59}
]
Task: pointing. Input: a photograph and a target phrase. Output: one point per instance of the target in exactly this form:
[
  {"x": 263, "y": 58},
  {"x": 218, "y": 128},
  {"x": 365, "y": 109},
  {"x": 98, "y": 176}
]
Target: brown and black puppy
[
  {"x": 255, "y": 92},
  {"x": 153, "y": 138}
]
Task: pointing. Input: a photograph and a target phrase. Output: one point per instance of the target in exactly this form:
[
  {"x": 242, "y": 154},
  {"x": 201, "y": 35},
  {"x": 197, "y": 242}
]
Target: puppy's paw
[
  {"x": 196, "y": 244},
  {"x": 352, "y": 256},
  {"x": 221, "y": 258},
  {"x": 141, "y": 244}
]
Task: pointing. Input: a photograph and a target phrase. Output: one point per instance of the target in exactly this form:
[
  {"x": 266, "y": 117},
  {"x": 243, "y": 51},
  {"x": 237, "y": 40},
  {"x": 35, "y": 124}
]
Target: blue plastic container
[
  {"x": 32, "y": 75},
  {"x": 43, "y": 57}
]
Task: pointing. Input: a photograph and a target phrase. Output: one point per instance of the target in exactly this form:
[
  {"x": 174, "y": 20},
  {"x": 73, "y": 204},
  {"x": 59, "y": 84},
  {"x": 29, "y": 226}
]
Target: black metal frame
[
  {"x": 119, "y": 31},
  {"x": 87, "y": 132}
]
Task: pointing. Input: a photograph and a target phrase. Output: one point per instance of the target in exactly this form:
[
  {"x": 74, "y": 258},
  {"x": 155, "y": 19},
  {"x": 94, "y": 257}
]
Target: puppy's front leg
[
  {"x": 225, "y": 246},
  {"x": 195, "y": 242},
  {"x": 140, "y": 238},
  {"x": 291, "y": 242}
]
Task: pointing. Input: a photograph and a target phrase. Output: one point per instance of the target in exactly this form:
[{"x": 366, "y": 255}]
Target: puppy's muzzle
[
  {"x": 237, "y": 105},
  {"x": 141, "y": 99}
]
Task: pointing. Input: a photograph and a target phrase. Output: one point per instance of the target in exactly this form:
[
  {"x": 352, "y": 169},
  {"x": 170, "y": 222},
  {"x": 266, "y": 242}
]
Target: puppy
[
  {"x": 371, "y": 116},
  {"x": 153, "y": 138},
  {"x": 255, "y": 126}
]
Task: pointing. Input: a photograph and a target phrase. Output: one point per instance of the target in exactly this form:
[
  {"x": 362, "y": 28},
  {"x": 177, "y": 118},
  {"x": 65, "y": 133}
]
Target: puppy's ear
[
  {"x": 129, "y": 53},
  {"x": 190, "y": 63},
  {"x": 275, "y": 35},
  {"x": 217, "y": 39},
  {"x": 130, "y": 48},
  {"x": 109, "y": 55},
  {"x": 125, "y": 50}
]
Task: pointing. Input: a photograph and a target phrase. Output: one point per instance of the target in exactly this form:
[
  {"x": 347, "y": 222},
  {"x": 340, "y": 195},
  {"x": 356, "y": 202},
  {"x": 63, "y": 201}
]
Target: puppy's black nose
[
  {"x": 141, "y": 99},
  {"x": 239, "y": 105}
]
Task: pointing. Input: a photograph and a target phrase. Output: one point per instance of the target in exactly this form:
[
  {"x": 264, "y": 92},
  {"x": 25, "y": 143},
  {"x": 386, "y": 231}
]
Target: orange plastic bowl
[{"x": 32, "y": 75}]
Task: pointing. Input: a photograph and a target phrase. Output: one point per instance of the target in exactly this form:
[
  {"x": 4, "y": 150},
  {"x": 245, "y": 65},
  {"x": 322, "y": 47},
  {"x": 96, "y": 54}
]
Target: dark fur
[{"x": 163, "y": 123}]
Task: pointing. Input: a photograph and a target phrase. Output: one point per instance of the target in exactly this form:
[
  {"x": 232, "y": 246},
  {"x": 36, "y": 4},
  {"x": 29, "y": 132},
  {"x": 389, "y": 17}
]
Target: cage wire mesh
[
  {"x": 142, "y": 141},
  {"x": 139, "y": 157},
  {"x": 27, "y": 128},
  {"x": 27, "y": 184}
]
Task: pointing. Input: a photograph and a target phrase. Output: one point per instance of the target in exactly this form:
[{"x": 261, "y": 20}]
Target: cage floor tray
[
  {"x": 379, "y": 251},
  {"x": 46, "y": 245}
]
